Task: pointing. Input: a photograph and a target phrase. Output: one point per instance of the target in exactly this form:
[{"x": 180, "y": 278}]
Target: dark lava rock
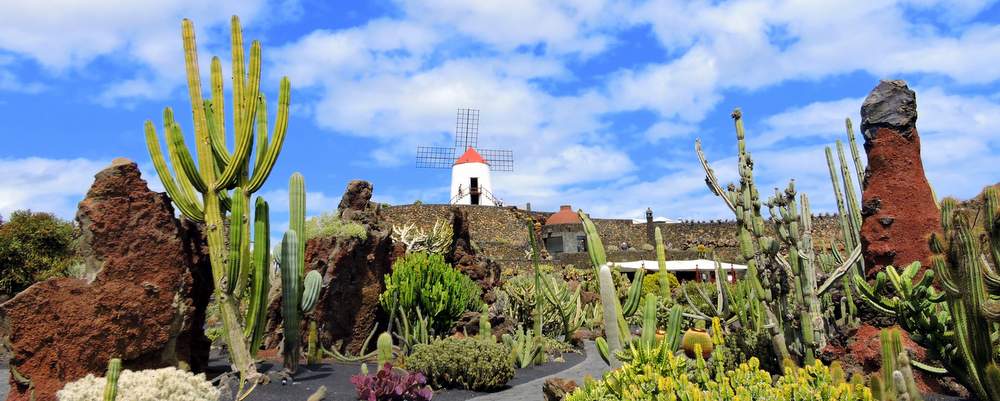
[{"x": 145, "y": 304}]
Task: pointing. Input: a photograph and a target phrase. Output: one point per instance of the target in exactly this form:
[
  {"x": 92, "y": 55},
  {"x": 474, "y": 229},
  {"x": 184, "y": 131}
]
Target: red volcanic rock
[
  {"x": 145, "y": 305},
  {"x": 898, "y": 208},
  {"x": 863, "y": 355}
]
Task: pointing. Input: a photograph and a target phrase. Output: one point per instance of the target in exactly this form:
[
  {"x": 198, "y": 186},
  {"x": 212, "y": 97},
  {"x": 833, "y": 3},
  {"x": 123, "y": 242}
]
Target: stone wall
[{"x": 501, "y": 234}]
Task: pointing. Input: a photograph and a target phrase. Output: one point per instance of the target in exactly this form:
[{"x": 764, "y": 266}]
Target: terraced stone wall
[{"x": 500, "y": 233}]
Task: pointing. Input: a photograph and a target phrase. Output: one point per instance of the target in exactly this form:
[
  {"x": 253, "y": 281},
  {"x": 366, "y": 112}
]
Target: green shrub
[
  {"x": 651, "y": 284},
  {"x": 330, "y": 225},
  {"x": 425, "y": 281},
  {"x": 34, "y": 247},
  {"x": 468, "y": 363}
]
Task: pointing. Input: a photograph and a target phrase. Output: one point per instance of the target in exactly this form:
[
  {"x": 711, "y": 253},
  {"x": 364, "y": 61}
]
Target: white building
[{"x": 470, "y": 180}]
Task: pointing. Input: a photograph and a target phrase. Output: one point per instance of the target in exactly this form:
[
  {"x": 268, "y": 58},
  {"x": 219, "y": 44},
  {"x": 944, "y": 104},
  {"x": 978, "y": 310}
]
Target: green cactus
[
  {"x": 849, "y": 215},
  {"x": 299, "y": 291},
  {"x": 896, "y": 382},
  {"x": 648, "y": 337},
  {"x": 411, "y": 333},
  {"x": 780, "y": 285},
  {"x": 661, "y": 263},
  {"x": 383, "y": 346},
  {"x": 313, "y": 355},
  {"x": 613, "y": 322},
  {"x": 595, "y": 248},
  {"x": 602, "y": 349},
  {"x": 226, "y": 181},
  {"x": 526, "y": 348},
  {"x": 536, "y": 267},
  {"x": 114, "y": 371}
]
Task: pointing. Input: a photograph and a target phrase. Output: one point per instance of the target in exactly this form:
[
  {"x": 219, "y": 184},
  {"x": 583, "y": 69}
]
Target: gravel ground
[
  {"x": 336, "y": 377},
  {"x": 592, "y": 366}
]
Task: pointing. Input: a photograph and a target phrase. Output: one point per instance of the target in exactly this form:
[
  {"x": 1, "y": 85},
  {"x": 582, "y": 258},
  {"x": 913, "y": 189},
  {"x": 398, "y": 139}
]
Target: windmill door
[{"x": 474, "y": 190}]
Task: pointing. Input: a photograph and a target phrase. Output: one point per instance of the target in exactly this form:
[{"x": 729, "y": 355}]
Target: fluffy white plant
[{"x": 167, "y": 384}]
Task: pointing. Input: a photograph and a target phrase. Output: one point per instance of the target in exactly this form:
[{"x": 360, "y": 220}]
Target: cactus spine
[
  {"x": 299, "y": 291},
  {"x": 225, "y": 180},
  {"x": 111, "y": 387}
]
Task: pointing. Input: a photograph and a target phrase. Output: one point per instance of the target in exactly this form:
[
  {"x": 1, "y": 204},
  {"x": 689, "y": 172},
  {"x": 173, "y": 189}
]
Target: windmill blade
[
  {"x": 435, "y": 157},
  {"x": 498, "y": 159},
  {"x": 467, "y": 129}
]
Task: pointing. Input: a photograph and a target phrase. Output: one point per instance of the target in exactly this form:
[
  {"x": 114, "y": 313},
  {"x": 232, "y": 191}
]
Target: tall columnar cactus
[
  {"x": 849, "y": 215},
  {"x": 609, "y": 301},
  {"x": 661, "y": 263},
  {"x": 111, "y": 387},
  {"x": 299, "y": 291},
  {"x": 803, "y": 265},
  {"x": 595, "y": 248},
  {"x": 648, "y": 337},
  {"x": 536, "y": 315},
  {"x": 971, "y": 287},
  {"x": 784, "y": 284},
  {"x": 896, "y": 383},
  {"x": 226, "y": 180}
]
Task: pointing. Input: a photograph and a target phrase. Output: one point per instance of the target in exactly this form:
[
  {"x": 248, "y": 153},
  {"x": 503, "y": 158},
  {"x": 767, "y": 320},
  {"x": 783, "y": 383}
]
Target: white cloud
[
  {"x": 50, "y": 185},
  {"x": 67, "y": 35},
  {"x": 560, "y": 26}
]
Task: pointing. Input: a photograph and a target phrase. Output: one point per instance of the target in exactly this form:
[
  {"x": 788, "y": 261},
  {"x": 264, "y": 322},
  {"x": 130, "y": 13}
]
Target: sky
[{"x": 600, "y": 101}]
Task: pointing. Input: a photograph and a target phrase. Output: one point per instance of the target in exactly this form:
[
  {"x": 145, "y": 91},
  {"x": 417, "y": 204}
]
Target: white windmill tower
[{"x": 471, "y": 183}]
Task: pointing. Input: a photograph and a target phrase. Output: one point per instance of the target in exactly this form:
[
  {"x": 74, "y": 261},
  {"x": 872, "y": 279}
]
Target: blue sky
[{"x": 601, "y": 101}]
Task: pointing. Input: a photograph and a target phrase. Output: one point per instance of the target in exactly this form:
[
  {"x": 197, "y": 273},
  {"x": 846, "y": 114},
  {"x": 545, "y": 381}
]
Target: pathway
[{"x": 592, "y": 366}]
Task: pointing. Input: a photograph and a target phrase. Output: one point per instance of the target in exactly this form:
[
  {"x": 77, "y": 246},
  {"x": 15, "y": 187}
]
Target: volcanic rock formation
[
  {"x": 145, "y": 302},
  {"x": 898, "y": 207},
  {"x": 464, "y": 256}
]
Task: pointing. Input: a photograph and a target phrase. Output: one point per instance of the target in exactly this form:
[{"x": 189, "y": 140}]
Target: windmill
[{"x": 470, "y": 172}]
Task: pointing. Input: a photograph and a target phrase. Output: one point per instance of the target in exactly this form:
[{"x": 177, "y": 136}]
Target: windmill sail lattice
[{"x": 466, "y": 136}]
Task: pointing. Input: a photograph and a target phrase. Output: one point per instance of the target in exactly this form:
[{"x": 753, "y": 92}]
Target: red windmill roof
[
  {"x": 565, "y": 215},
  {"x": 470, "y": 156}
]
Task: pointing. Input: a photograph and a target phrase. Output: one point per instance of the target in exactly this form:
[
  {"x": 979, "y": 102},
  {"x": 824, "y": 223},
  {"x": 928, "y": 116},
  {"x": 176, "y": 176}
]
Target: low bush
[
  {"x": 167, "y": 384},
  {"x": 651, "y": 284},
  {"x": 469, "y": 363},
  {"x": 391, "y": 384},
  {"x": 426, "y": 282},
  {"x": 34, "y": 247},
  {"x": 330, "y": 225}
]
